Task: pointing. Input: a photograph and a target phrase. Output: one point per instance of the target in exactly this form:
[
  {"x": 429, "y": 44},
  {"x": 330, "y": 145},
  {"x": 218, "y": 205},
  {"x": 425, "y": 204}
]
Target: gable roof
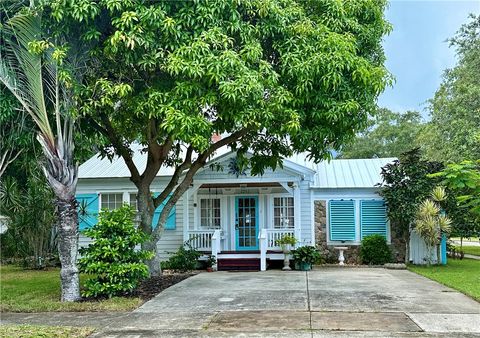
[
  {"x": 354, "y": 173},
  {"x": 351, "y": 173}
]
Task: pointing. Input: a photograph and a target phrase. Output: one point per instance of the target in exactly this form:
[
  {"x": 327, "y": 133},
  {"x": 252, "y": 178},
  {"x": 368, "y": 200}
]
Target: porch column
[
  {"x": 186, "y": 225},
  {"x": 296, "y": 211}
]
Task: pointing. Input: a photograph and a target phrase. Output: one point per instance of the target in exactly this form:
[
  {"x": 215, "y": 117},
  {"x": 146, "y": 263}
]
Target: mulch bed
[{"x": 152, "y": 286}]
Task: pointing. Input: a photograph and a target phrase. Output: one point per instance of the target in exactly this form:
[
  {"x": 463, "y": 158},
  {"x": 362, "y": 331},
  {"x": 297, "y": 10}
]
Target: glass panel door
[{"x": 246, "y": 223}]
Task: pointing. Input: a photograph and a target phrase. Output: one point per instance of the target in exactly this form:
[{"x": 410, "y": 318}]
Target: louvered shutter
[
  {"x": 342, "y": 220},
  {"x": 87, "y": 210},
  {"x": 373, "y": 218},
  {"x": 170, "y": 223}
]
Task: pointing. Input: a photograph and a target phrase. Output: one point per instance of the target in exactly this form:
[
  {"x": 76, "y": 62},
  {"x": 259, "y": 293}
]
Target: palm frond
[{"x": 21, "y": 71}]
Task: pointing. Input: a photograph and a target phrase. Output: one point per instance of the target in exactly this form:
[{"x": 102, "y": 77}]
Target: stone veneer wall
[{"x": 352, "y": 255}]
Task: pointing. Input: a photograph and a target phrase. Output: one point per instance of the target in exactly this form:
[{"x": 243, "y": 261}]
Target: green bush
[
  {"x": 374, "y": 250},
  {"x": 112, "y": 260},
  {"x": 306, "y": 254},
  {"x": 185, "y": 259}
]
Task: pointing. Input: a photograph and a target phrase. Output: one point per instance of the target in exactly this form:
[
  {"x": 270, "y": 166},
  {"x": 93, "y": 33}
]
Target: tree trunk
[
  {"x": 68, "y": 248},
  {"x": 146, "y": 210}
]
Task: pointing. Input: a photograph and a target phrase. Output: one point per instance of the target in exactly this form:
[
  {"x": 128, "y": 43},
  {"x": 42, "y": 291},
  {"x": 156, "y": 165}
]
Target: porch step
[{"x": 238, "y": 264}]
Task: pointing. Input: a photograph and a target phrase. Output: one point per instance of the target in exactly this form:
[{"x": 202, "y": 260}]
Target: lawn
[
  {"x": 35, "y": 331},
  {"x": 39, "y": 291},
  {"x": 472, "y": 250},
  {"x": 462, "y": 275}
]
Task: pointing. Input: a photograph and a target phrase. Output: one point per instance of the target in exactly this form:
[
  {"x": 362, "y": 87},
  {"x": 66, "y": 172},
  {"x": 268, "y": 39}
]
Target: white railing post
[
  {"x": 262, "y": 237},
  {"x": 216, "y": 249}
]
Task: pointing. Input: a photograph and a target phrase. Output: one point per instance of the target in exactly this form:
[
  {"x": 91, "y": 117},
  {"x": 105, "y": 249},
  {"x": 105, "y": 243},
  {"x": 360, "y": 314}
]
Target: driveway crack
[{"x": 308, "y": 303}]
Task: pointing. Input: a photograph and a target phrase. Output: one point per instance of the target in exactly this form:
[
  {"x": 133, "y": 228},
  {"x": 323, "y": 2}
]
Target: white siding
[{"x": 418, "y": 250}]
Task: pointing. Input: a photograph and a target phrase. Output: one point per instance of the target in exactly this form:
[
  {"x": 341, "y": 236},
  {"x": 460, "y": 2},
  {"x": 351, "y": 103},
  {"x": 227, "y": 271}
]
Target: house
[{"x": 239, "y": 217}]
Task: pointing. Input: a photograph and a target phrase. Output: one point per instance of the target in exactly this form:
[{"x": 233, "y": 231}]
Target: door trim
[{"x": 237, "y": 247}]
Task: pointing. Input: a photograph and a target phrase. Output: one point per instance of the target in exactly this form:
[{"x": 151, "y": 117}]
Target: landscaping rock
[{"x": 395, "y": 266}]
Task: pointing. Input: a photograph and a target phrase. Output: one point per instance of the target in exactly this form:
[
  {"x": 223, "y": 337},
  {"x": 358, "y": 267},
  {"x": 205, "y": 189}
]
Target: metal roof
[
  {"x": 352, "y": 173},
  {"x": 355, "y": 173}
]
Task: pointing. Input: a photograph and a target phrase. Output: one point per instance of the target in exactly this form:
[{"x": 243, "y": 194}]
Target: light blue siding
[
  {"x": 342, "y": 220},
  {"x": 373, "y": 218}
]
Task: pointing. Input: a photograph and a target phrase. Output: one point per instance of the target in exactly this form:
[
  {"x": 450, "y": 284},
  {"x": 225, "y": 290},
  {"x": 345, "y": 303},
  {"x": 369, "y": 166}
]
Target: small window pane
[
  {"x": 210, "y": 213},
  {"x": 283, "y": 212},
  {"x": 111, "y": 201}
]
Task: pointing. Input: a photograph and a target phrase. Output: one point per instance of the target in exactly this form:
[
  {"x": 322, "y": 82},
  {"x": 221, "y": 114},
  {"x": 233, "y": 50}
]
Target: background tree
[
  {"x": 272, "y": 77},
  {"x": 31, "y": 69},
  {"x": 406, "y": 185},
  {"x": 453, "y": 134},
  {"x": 388, "y": 134}
]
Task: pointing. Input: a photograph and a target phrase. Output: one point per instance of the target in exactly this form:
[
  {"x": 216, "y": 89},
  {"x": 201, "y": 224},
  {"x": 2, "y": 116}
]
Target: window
[
  {"x": 283, "y": 212},
  {"x": 210, "y": 213},
  {"x": 111, "y": 201},
  {"x": 342, "y": 220},
  {"x": 373, "y": 218}
]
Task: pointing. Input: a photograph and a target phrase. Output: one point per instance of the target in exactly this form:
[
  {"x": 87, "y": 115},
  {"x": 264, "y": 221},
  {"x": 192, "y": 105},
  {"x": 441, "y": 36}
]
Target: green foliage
[
  {"x": 463, "y": 180},
  {"x": 453, "y": 134},
  {"x": 112, "y": 260},
  {"x": 31, "y": 234},
  {"x": 430, "y": 222},
  {"x": 286, "y": 240},
  {"x": 405, "y": 185},
  {"x": 388, "y": 134},
  {"x": 306, "y": 254},
  {"x": 375, "y": 250},
  {"x": 211, "y": 261},
  {"x": 185, "y": 259}
]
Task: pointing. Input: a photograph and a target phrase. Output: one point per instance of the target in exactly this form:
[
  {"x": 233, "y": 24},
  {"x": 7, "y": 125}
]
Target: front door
[{"x": 246, "y": 223}]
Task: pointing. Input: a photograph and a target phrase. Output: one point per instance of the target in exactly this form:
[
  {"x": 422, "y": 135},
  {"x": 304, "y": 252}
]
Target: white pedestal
[{"x": 341, "y": 258}]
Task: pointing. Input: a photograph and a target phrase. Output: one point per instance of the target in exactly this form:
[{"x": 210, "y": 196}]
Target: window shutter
[
  {"x": 373, "y": 218},
  {"x": 170, "y": 224},
  {"x": 87, "y": 210},
  {"x": 342, "y": 220}
]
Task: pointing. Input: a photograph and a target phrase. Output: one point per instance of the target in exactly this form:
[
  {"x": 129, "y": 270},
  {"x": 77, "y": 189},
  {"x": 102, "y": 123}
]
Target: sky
[{"x": 417, "y": 51}]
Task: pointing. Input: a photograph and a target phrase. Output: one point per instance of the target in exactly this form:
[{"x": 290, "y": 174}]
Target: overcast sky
[{"x": 416, "y": 49}]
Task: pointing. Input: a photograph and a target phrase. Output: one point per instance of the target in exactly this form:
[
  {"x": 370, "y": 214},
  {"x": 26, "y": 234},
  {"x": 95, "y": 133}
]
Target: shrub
[
  {"x": 306, "y": 254},
  {"x": 185, "y": 259},
  {"x": 374, "y": 250},
  {"x": 112, "y": 259}
]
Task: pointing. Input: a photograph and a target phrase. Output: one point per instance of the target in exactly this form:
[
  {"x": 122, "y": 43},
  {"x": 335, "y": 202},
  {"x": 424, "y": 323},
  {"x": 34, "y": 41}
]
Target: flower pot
[
  {"x": 209, "y": 269},
  {"x": 303, "y": 266}
]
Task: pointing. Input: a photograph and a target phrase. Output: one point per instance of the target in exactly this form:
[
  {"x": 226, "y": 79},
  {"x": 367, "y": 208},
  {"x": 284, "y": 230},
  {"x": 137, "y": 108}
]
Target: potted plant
[
  {"x": 305, "y": 256},
  {"x": 286, "y": 242},
  {"x": 211, "y": 261}
]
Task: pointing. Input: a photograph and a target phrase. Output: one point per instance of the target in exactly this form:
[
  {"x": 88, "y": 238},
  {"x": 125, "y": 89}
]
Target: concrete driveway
[{"x": 322, "y": 303}]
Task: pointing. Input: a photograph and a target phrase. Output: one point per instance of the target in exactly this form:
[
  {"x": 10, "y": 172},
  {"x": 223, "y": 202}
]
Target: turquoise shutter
[
  {"x": 342, "y": 220},
  {"x": 170, "y": 224},
  {"x": 87, "y": 210},
  {"x": 373, "y": 218}
]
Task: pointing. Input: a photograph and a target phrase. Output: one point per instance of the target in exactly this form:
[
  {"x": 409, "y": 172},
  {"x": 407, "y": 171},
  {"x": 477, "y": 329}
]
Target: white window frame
[
  {"x": 101, "y": 196},
  {"x": 198, "y": 214},
  {"x": 272, "y": 208}
]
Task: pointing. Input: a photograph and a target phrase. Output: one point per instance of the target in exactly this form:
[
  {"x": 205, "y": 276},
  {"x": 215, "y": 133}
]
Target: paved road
[{"x": 329, "y": 302}]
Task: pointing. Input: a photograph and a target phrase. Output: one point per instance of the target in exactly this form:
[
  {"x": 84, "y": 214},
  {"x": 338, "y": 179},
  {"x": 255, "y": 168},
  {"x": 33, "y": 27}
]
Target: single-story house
[{"x": 238, "y": 216}]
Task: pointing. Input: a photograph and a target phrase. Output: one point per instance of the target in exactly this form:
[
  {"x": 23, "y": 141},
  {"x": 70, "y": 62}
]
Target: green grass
[
  {"x": 39, "y": 291},
  {"x": 462, "y": 275},
  {"x": 472, "y": 250},
  {"x": 31, "y": 331}
]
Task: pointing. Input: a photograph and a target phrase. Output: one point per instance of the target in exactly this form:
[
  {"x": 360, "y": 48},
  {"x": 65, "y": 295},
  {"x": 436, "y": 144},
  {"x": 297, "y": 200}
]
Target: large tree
[
  {"x": 388, "y": 134},
  {"x": 273, "y": 77},
  {"x": 453, "y": 134},
  {"x": 31, "y": 69}
]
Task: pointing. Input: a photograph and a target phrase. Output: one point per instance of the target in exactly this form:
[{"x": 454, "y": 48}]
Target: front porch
[{"x": 240, "y": 222}]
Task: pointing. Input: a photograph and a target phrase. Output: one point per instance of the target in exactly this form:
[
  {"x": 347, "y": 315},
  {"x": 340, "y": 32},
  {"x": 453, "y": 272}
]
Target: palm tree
[{"x": 29, "y": 68}]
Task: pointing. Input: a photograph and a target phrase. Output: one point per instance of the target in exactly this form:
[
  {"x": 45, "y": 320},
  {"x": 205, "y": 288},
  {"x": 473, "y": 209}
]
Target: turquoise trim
[
  {"x": 170, "y": 224},
  {"x": 373, "y": 218},
  {"x": 342, "y": 220},
  {"x": 237, "y": 234},
  {"x": 89, "y": 215}
]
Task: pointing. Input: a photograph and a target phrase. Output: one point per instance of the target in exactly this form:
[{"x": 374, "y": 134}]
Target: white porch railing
[
  {"x": 201, "y": 239},
  {"x": 273, "y": 235}
]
